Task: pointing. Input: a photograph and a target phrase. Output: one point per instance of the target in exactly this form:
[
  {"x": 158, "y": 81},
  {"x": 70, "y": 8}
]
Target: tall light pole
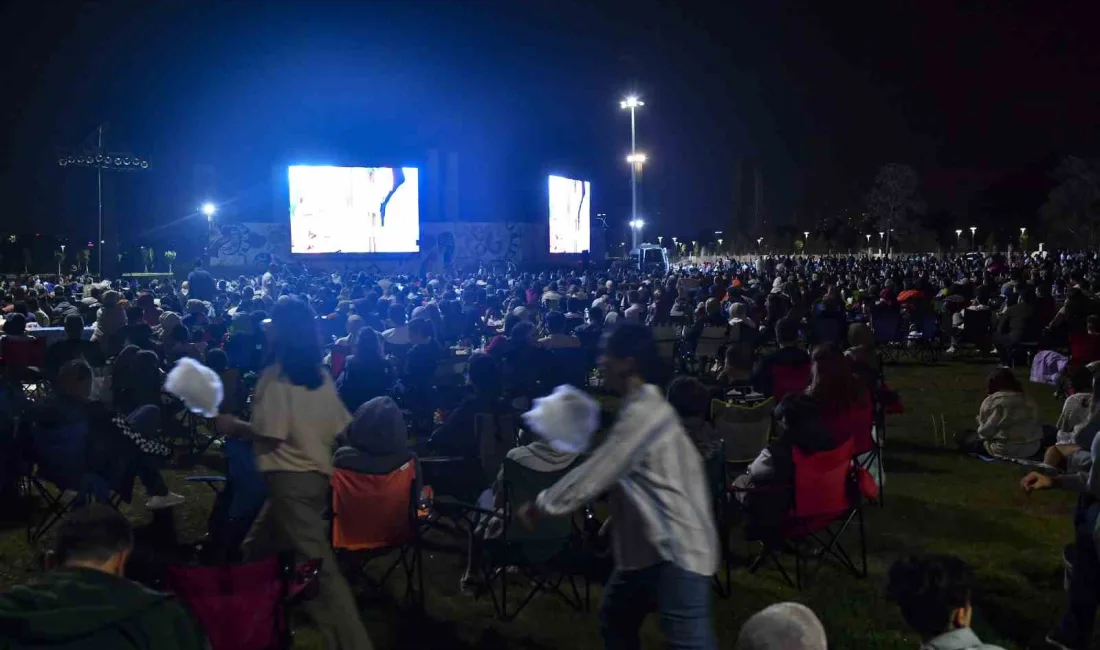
[
  {"x": 636, "y": 226},
  {"x": 958, "y": 237},
  {"x": 209, "y": 210},
  {"x": 633, "y": 103},
  {"x": 973, "y": 237},
  {"x": 99, "y": 157}
]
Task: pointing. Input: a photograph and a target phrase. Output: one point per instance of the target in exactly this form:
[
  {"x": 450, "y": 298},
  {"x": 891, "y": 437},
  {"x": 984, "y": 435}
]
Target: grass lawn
[{"x": 936, "y": 500}]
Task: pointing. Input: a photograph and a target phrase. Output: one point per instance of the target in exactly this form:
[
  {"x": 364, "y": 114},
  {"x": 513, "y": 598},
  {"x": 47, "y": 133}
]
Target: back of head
[
  {"x": 15, "y": 324},
  {"x": 786, "y": 331},
  {"x": 217, "y": 360},
  {"x": 523, "y": 331},
  {"x": 379, "y": 428},
  {"x": 555, "y": 322},
  {"x": 74, "y": 379},
  {"x": 92, "y": 536},
  {"x": 632, "y": 340},
  {"x": 1002, "y": 380},
  {"x": 689, "y": 396},
  {"x": 485, "y": 374},
  {"x": 297, "y": 343},
  {"x": 928, "y": 590},
  {"x": 74, "y": 325},
  {"x": 783, "y": 626}
]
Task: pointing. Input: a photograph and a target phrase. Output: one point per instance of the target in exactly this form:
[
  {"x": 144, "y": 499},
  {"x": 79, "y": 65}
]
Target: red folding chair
[
  {"x": 243, "y": 606},
  {"x": 374, "y": 515},
  {"x": 789, "y": 379},
  {"x": 24, "y": 359},
  {"x": 826, "y": 500}
]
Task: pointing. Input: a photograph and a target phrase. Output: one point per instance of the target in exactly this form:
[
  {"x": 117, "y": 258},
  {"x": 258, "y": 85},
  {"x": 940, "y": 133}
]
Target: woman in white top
[{"x": 296, "y": 417}]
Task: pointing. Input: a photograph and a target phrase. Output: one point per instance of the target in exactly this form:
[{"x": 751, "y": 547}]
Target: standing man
[
  {"x": 662, "y": 523},
  {"x": 201, "y": 283}
]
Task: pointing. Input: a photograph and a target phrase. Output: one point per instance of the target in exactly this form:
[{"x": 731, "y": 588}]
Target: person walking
[
  {"x": 297, "y": 415},
  {"x": 662, "y": 524}
]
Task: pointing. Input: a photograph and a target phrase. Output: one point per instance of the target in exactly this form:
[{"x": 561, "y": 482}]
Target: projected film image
[
  {"x": 354, "y": 209},
  {"x": 570, "y": 201}
]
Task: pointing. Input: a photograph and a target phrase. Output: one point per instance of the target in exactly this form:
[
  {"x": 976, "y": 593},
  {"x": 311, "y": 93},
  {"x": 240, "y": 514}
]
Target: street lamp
[
  {"x": 632, "y": 103},
  {"x": 958, "y": 236},
  {"x": 209, "y": 209},
  {"x": 661, "y": 239},
  {"x": 973, "y": 241}
]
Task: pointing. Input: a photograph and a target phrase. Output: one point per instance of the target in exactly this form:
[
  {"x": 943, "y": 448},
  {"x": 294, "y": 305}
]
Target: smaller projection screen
[
  {"x": 354, "y": 209},
  {"x": 570, "y": 202}
]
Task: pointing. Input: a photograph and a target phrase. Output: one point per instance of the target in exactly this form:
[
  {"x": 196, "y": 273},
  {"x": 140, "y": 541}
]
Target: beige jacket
[{"x": 1009, "y": 425}]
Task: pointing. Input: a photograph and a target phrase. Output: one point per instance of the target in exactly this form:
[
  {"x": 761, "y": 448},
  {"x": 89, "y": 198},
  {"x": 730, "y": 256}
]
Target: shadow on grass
[
  {"x": 943, "y": 523},
  {"x": 905, "y": 466}
]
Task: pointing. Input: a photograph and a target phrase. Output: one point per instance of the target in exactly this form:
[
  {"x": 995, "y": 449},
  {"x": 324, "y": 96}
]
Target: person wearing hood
[
  {"x": 87, "y": 602},
  {"x": 377, "y": 440}
]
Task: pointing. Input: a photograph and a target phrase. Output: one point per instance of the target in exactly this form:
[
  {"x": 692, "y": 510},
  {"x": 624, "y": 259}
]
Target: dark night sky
[{"x": 821, "y": 93}]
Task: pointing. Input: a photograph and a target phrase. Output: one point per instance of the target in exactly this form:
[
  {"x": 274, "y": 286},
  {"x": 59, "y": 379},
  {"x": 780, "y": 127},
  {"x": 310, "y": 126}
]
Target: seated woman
[
  {"x": 1008, "y": 422},
  {"x": 737, "y": 369},
  {"x": 367, "y": 374},
  {"x": 457, "y": 436},
  {"x": 691, "y": 399},
  {"x": 136, "y": 380},
  {"x": 377, "y": 441},
  {"x": 800, "y": 423},
  {"x": 113, "y": 438},
  {"x": 534, "y": 454},
  {"x": 845, "y": 402}
]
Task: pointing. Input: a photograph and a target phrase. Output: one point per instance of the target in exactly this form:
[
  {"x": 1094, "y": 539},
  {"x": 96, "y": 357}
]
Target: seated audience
[
  {"x": 367, "y": 374},
  {"x": 457, "y": 436},
  {"x": 844, "y": 400},
  {"x": 87, "y": 602},
  {"x": 377, "y": 441},
  {"x": 788, "y": 355},
  {"x": 737, "y": 367},
  {"x": 73, "y": 346},
  {"x": 863, "y": 355},
  {"x": 557, "y": 338},
  {"x": 1077, "y": 411},
  {"x": 1008, "y": 422},
  {"x": 783, "y": 626},
  {"x": 935, "y": 594}
]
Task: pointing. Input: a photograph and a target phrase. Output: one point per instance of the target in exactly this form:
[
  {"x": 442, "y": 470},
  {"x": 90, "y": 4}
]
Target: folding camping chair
[
  {"x": 744, "y": 429},
  {"x": 374, "y": 515},
  {"x": 244, "y": 606},
  {"x": 826, "y": 500},
  {"x": 668, "y": 339},
  {"x": 886, "y": 327},
  {"x": 709, "y": 346},
  {"x": 789, "y": 379},
  {"x": 24, "y": 359},
  {"x": 58, "y": 458},
  {"x": 545, "y": 554}
]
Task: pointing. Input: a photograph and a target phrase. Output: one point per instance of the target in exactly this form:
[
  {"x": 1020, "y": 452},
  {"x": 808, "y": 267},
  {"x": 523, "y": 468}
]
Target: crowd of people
[{"x": 349, "y": 370}]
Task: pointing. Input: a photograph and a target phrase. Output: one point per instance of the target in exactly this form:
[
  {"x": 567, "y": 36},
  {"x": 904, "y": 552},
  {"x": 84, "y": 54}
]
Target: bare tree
[
  {"x": 1073, "y": 206},
  {"x": 894, "y": 200}
]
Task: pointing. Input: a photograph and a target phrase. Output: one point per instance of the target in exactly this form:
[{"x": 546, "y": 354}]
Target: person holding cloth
[
  {"x": 297, "y": 415},
  {"x": 663, "y": 533}
]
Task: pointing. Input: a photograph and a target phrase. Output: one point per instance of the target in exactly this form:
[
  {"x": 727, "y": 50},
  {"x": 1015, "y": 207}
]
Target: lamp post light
[
  {"x": 208, "y": 209},
  {"x": 660, "y": 240},
  {"x": 636, "y": 226},
  {"x": 632, "y": 103},
  {"x": 958, "y": 236},
  {"x": 973, "y": 237}
]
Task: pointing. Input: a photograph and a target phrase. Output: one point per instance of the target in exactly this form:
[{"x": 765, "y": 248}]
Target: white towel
[
  {"x": 199, "y": 387},
  {"x": 566, "y": 419}
]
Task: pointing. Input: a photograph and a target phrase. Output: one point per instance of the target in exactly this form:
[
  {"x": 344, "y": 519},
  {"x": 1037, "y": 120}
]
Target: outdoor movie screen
[
  {"x": 354, "y": 209},
  {"x": 570, "y": 202}
]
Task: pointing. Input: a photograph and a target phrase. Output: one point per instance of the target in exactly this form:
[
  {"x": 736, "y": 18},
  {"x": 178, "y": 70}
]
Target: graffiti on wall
[{"x": 442, "y": 246}]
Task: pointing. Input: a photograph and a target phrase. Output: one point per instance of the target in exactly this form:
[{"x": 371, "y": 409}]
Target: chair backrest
[
  {"x": 821, "y": 482},
  {"x": 246, "y": 483},
  {"x": 744, "y": 429},
  {"x": 372, "y": 511},
  {"x": 496, "y": 436},
  {"x": 711, "y": 340},
  {"x": 338, "y": 356},
  {"x": 976, "y": 324},
  {"x": 523, "y": 485},
  {"x": 789, "y": 379},
  {"x": 886, "y": 325},
  {"x": 23, "y": 353},
  {"x": 1084, "y": 348},
  {"x": 666, "y": 337},
  {"x": 60, "y": 453},
  {"x": 238, "y": 605},
  {"x": 853, "y": 424}
]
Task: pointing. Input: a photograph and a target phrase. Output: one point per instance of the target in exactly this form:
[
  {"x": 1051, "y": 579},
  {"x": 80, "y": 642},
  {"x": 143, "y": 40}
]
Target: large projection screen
[
  {"x": 354, "y": 209},
  {"x": 570, "y": 201}
]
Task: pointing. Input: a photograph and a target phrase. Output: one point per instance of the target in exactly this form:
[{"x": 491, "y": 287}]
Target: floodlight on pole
[
  {"x": 209, "y": 209},
  {"x": 632, "y": 103},
  {"x": 973, "y": 237}
]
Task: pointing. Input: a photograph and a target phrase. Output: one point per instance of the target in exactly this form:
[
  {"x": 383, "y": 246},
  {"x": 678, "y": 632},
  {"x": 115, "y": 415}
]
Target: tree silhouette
[
  {"x": 1072, "y": 209},
  {"x": 893, "y": 201}
]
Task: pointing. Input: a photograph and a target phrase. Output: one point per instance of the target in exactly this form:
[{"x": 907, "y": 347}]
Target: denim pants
[
  {"x": 681, "y": 598},
  {"x": 1076, "y": 625}
]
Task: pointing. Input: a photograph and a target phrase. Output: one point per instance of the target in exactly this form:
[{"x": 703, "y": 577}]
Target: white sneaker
[{"x": 169, "y": 500}]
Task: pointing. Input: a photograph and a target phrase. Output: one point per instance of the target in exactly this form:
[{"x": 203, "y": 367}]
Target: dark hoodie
[
  {"x": 377, "y": 440},
  {"x": 72, "y": 608}
]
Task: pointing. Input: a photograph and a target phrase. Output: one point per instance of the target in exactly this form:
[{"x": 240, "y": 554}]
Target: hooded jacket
[
  {"x": 1008, "y": 423},
  {"x": 377, "y": 440},
  {"x": 74, "y": 608}
]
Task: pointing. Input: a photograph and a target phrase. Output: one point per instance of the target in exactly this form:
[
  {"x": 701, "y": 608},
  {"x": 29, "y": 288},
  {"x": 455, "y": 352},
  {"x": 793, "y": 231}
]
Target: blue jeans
[{"x": 681, "y": 598}]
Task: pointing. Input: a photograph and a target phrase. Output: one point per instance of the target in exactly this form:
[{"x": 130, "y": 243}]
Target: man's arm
[{"x": 615, "y": 458}]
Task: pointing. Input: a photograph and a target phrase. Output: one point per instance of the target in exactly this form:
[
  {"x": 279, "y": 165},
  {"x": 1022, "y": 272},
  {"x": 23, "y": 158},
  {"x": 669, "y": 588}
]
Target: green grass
[{"x": 936, "y": 500}]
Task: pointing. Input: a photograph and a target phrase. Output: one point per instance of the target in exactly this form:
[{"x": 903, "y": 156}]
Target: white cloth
[
  {"x": 566, "y": 419},
  {"x": 199, "y": 387}
]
